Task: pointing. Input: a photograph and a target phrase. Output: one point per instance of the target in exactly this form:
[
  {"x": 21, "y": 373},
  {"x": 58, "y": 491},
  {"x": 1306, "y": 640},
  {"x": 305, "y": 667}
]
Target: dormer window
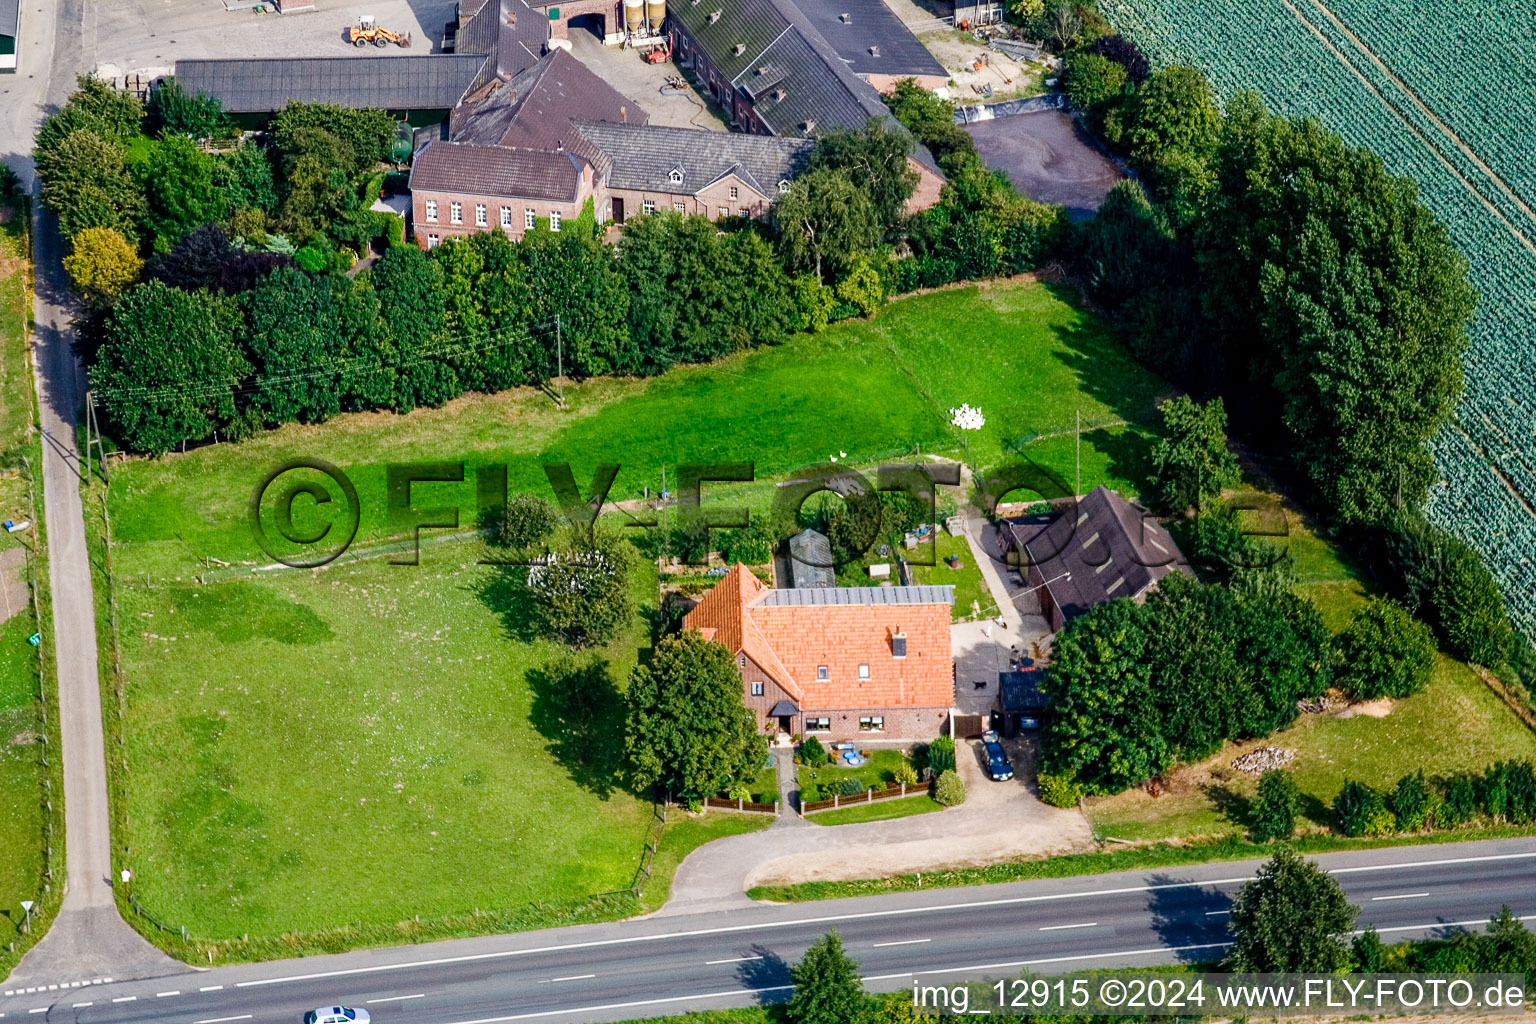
[
  {"x": 821, "y": 673},
  {"x": 784, "y": 187},
  {"x": 810, "y": 126},
  {"x": 874, "y": 51},
  {"x": 778, "y": 95},
  {"x": 863, "y": 671},
  {"x": 714, "y": 16},
  {"x": 741, "y": 48},
  {"x": 845, "y": 18},
  {"x": 675, "y": 175}
]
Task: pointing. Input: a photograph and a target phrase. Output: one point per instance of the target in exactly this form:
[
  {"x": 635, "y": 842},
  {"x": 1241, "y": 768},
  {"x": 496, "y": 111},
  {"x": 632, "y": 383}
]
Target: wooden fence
[
  {"x": 869, "y": 796},
  {"x": 748, "y": 806}
]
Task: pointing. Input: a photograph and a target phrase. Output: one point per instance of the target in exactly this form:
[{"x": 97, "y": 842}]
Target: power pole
[
  {"x": 93, "y": 437},
  {"x": 559, "y": 363},
  {"x": 1077, "y": 454}
]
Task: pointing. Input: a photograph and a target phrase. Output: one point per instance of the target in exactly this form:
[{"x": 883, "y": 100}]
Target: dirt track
[{"x": 1047, "y": 159}]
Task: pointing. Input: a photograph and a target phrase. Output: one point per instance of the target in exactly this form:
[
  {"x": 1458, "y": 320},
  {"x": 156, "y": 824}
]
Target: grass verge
[{"x": 883, "y": 810}]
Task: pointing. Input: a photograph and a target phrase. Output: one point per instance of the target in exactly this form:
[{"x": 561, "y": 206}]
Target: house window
[
  {"x": 723, "y": 212},
  {"x": 432, "y": 211},
  {"x": 679, "y": 207},
  {"x": 554, "y": 220},
  {"x": 783, "y": 188},
  {"x": 735, "y": 192},
  {"x": 872, "y": 723},
  {"x": 675, "y": 175},
  {"x": 741, "y": 661},
  {"x": 648, "y": 207},
  {"x": 821, "y": 673},
  {"x": 757, "y": 689},
  {"x": 432, "y": 241},
  {"x": 506, "y": 216},
  {"x": 480, "y": 215},
  {"x": 746, "y": 214},
  {"x": 456, "y": 213},
  {"x": 863, "y": 671},
  {"x": 818, "y": 724},
  {"x": 530, "y": 219}
]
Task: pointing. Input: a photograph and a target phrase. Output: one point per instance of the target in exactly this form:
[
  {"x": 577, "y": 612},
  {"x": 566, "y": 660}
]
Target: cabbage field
[{"x": 1444, "y": 92}]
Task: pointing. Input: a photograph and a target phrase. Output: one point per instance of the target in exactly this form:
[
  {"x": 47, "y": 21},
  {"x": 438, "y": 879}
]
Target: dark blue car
[{"x": 997, "y": 759}]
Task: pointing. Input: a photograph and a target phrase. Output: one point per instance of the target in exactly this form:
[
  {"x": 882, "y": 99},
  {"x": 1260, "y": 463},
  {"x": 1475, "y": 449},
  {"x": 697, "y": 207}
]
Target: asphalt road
[{"x": 658, "y": 966}]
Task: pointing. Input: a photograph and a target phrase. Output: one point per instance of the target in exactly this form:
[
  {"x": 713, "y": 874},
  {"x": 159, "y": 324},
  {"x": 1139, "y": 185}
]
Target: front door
[
  {"x": 786, "y": 724},
  {"x": 618, "y": 210}
]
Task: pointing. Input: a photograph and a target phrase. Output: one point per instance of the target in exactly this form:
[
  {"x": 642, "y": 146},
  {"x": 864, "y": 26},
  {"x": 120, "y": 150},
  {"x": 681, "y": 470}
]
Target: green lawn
[
  {"x": 970, "y": 586},
  {"x": 880, "y": 810},
  {"x": 1018, "y": 350},
  {"x": 366, "y": 744},
  {"x": 878, "y": 771},
  {"x": 1456, "y": 724},
  {"x": 21, "y": 726}
]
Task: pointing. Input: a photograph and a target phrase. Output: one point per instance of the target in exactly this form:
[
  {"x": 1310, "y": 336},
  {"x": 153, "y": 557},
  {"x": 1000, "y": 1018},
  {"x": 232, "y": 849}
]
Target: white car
[{"x": 336, "y": 1015}]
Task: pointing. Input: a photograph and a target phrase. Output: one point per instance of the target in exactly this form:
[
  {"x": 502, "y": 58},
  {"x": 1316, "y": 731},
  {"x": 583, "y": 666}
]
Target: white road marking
[
  {"x": 574, "y": 977},
  {"x": 79, "y": 1005},
  {"x": 210, "y": 988},
  {"x": 220, "y": 1020},
  {"x": 125, "y": 999},
  {"x": 162, "y": 995},
  {"x": 1217, "y": 913},
  {"x": 396, "y": 999},
  {"x": 1064, "y": 927},
  {"x": 40, "y": 1009},
  {"x": 732, "y": 960},
  {"x": 834, "y": 918},
  {"x": 903, "y": 942},
  {"x": 1440, "y": 924},
  {"x": 625, "y": 1006},
  {"x": 1403, "y": 896}
]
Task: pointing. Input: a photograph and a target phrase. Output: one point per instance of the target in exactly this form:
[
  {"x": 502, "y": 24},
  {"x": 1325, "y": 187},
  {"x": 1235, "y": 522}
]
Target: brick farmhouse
[{"x": 839, "y": 663}]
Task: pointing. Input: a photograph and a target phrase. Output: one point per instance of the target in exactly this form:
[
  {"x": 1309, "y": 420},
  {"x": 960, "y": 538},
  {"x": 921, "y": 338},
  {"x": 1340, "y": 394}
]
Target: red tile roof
[{"x": 791, "y": 641}]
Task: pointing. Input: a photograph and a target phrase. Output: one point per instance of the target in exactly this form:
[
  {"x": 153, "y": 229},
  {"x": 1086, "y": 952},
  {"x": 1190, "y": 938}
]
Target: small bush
[
  {"x": 1413, "y": 803},
  {"x": 904, "y": 773},
  {"x": 1362, "y": 811},
  {"x": 851, "y": 786},
  {"x": 813, "y": 753},
  {"x": 1383, "y": 653},
  {"x": 527, "y": 520},
  {"x": 1458, "y": 800},
  {"x": 940, "y": 756},
  {"x": 949, "y": 790},
  {"x": 1274, "y": 813},
  {"x": 1059, "y": 790}
]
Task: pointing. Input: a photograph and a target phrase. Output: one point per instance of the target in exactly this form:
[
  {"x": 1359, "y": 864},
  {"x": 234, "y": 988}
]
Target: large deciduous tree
[
  {"x": 1384, "y": 652},
  {"x": 87, "y": 185},
  {"x": 412, "y": 303},
  {"x": 168, "y": 369},
  {"x": 582, "y": 596},
  {"x": 1193, "y": 461},
  {"x": 1334, "y": 290},
  {"x": 180, "y": 189},
  {"x": 101, "y": 264},
  {"x": 687, "y": 729},
  {"x": 875, "y": 159},
  {"x": 823, "y": 220},
  {"x": 1291, "y": 918}
]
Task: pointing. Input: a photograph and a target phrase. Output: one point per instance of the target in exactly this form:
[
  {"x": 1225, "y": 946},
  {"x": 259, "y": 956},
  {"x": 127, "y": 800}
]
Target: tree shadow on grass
[
  {"x": 1235, "y": 807},
  {"x": 1313, "y": 809},
  {"x": 506, "y": 593},
  {"x": 1129, "y": 452},
  {"x": 1185, "y": 916},
  {"x": 579, "y": 712}
]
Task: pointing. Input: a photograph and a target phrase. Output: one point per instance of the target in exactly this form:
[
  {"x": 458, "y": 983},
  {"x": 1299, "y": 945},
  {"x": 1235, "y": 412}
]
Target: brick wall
[
  {"x": 709, "y": 201},
  {"x": 907, "y": 724},
  {"x": 752, "y": 672},
  {"x": 443, "y": 227}
]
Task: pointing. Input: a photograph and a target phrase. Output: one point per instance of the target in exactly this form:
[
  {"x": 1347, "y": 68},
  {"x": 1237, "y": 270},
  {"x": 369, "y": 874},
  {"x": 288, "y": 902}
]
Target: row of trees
[
  {"x": 1261, "y": 258},
  {"x": 188, "y": 353},
  {"x": 1506, "y": 791}
]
